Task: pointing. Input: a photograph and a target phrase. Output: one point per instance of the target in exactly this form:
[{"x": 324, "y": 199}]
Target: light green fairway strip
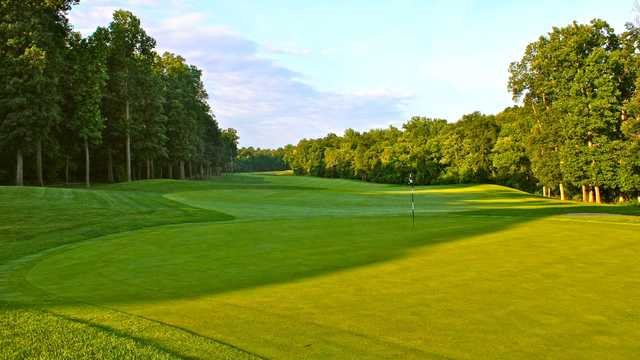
[{"x": 322, "y": 269}]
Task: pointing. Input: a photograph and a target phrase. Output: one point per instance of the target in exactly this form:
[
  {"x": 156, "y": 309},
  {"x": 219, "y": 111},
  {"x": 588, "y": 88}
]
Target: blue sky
[{"x": 279, "y": 71}]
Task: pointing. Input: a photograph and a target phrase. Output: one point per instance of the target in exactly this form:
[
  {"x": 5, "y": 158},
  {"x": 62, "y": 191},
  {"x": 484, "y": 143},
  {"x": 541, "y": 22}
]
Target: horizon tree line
[
  {"x": 250, "y": 159},
  {"x": 106, "y": 106},
  {"x": 574, "y": 131},
  {"x": 109, "y": 107}
]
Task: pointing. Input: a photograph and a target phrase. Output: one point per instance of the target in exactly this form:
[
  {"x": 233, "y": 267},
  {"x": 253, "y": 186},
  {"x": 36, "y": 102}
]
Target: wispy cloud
[
  {"x": 287, "y": 50},
  {"x": 268, "y": 103}
]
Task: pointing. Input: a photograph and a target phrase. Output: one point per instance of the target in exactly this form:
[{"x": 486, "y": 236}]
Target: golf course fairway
[{"x": 284, "y": 267}]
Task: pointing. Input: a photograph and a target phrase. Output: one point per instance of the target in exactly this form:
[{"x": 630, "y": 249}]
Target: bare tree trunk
[
  {"x": 109, "y": 165},
  {"x": 201, "y": 171},
  {"x": 584, "y": 193},
  {"x": 128, "y": 142},
  {"x": 87, "y": 164},
  {"x": 190, "y": 170},
  {"x": 153, "y": 170},
  {"x": 161, "y": 171},
  {"x": 182, "y": 176},
  {"x": 39, "y": 162},
  {"x": 591, "y": 197},
  {"x": 170, "y": 171},
  {"x": 562, "y": 197},
  {"x": 148, "y": 169},
  {"x": 66, "y": 170},
  {"x": 598, "y": 197},
  {"x": 19, "y": 169}
]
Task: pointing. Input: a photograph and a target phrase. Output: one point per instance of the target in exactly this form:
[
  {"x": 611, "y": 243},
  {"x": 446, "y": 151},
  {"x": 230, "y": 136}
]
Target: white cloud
[
  {"x": 87, "y": 19},
  {"x": 267, "y": 103}
]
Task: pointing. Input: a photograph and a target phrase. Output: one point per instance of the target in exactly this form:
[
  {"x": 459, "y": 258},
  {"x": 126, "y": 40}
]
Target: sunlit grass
[{"x": 270, "y": 266}]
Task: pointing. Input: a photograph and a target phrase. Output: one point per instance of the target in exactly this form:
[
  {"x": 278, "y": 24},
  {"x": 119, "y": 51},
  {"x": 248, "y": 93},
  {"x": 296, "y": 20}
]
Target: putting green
[{"x": 336, "y": 270}]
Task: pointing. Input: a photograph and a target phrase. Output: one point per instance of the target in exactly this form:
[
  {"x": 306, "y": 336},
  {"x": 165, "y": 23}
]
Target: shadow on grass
[
  {"x": 111, "y": 331},
  {"x": 556, "y": 208},
  {"x": 230, "y": 182},
  {"x": 193, "y": 260}
]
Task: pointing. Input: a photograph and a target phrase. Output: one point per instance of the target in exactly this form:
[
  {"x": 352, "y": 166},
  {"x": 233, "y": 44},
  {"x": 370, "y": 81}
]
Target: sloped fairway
[{"x": 286, "y": 267}]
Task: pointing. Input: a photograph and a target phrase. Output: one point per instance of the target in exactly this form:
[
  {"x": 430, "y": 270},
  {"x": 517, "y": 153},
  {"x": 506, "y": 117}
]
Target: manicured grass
[{"x": 257, "y": 265}]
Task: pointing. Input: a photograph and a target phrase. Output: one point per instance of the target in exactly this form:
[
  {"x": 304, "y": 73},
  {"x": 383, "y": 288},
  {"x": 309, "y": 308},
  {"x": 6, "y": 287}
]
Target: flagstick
[{"x": 413, "y": 206}]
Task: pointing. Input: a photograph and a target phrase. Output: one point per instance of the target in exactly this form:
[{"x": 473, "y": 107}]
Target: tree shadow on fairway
[
  {"x": 230, "y": 182},
  {"x": 175, "y": 262},
  {"x": 574, "y": 209}
]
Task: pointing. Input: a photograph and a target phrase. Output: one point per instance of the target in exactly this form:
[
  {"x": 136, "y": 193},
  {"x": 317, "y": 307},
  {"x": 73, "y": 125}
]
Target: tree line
[
  {"x": 106, "y": 106},
  {"x": 574, "y": 133},
  {"x": 256, "y": 159}
]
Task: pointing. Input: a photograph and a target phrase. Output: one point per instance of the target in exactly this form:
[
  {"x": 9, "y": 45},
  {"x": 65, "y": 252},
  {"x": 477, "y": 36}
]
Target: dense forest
[
  {"x": 108, "y": 107},
  {"x": 575, "y": 132},
  {"x": 257, "y": 159},
  {"x": 105, "y": 107}
]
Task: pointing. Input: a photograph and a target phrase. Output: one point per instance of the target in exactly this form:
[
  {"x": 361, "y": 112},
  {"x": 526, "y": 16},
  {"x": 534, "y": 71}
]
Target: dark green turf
[{"x": 289, "y": 267}]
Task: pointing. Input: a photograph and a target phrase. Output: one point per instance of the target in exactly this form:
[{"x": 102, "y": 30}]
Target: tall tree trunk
[
  {"x": 544, "y": 191},
  {"x": 87, "y": 164},
  {"x": 66, "y": 170},
  {"x": 39, "y": 162},
  {"x": 109, "y": 165},
  {"x": 128, "y": 142},
  {"x": 19, "y": 169},
  {"x": 562, "y": 197},
  {"x": 153, "y": 170},
  {"x": 190, "y": 170},
  {"x": 148, "y": 169},
  {"x": 161, "y": 170},
  {"x": 598, "y": 197},
  {"x": 170, "y": 169},
  {"x": 201, "y": 171},
  {"x": 591, "y": 197},
  {"x": 182, "y": 176},
  {"x": 584, "y": 193}
]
